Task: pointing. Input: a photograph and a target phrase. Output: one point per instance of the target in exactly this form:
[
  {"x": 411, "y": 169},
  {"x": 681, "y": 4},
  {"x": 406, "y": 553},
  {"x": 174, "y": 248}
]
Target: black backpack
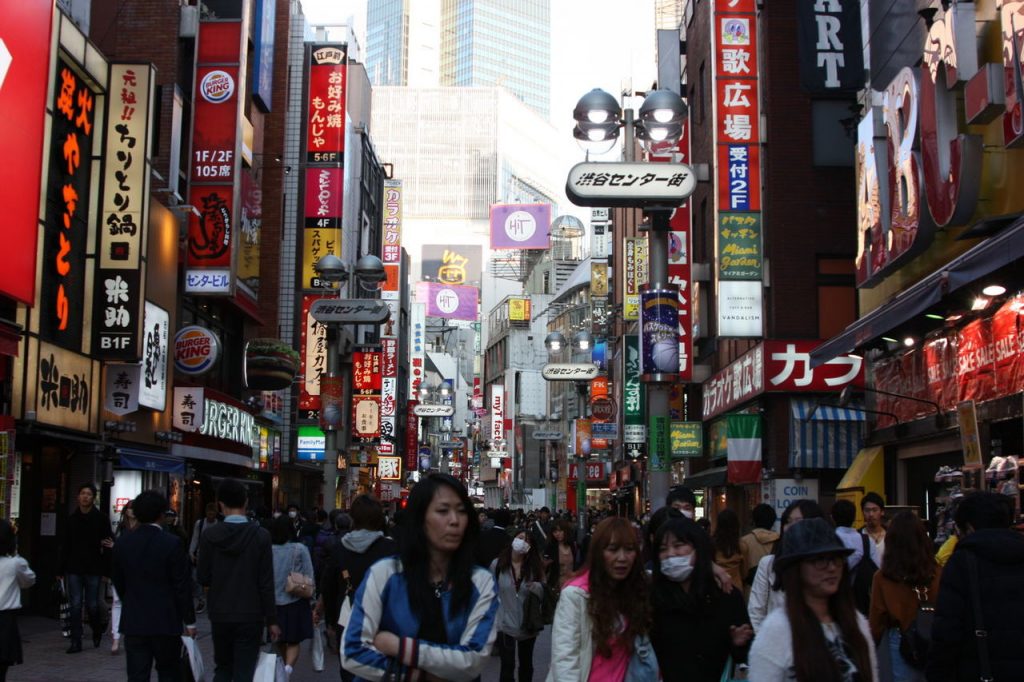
[
  {"x": 863, "y": 575},
  {"x": 917, "y": 639}
]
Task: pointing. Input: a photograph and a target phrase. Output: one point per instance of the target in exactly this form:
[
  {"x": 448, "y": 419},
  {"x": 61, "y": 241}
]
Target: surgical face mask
[
  {"x": 677, "y": 568},
  {"x": 687, "y": 513},
  {"x": 520, "y": 546},
  {"x": 292, "y": 514}
]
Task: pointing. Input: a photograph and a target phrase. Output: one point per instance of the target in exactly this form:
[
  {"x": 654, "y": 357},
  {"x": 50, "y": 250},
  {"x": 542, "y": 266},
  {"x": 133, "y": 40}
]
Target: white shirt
[
  {"x": 764, "y": 599},
  {"x": 854, "y": 540},
  {"x": 771, "y": 655},
  {"x": 15, "y": 576}
]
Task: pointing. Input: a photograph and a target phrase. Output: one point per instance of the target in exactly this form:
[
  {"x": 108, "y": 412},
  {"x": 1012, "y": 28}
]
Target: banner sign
[
  {"x": 686, "y": 439},
  {"x": 449, "y": 301},
  {"x": 366, "y": 370},
  {"x": 24, "y": 79},
  {"x": 737, "y": 117},
  {"x": 155, "y": 349},
  {"x": 263, "y": 54},
  {"x": 325, "y": 125},
  {"x": 250, "y": 231},
  {"x": 658, "y": 444},
  {"x": 412, "y": 431},
  {"x": 634, "y": 399},
  {"x": 417, "y": 349},
  {"x": 121, "y": 388},
  {"x": 322, "y": 212},
  {"x": 659, "y": 332},
  {"x": 520, "y": 226},
  {"x": 497, "y": 413},
  {"x": 635, "y": 265},
  {"x": 366, "y": 416},
  {"x": 69, "y": 210},
  {"x": 120, "y": 291},
  {"x": 392, "y": 242},
  {"x": 332, "y": 395},
  {"x": 216, "y": 120},
  {"x": 831, "y": 52},
  {"x": 778, "y": 367},
  {"x": 312, "y": 359}
]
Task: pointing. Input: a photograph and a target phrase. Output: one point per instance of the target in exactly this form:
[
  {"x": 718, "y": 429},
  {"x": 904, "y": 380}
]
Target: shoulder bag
[
  {"x": 297, "y": 584},
  {"x": 533, "y": 613},
  {"x": 643, "y": 665},
  {"x": 917, "y": 638}
]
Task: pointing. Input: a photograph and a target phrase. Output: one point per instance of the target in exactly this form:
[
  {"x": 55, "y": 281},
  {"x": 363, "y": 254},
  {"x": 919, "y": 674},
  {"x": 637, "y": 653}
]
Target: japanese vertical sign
[
  {"x": 679, "y": 263},
  {"x": 417, "y": 349},
  {"x": 497, "y": 415},
  {"x": 325, "y": 123},
  {"x": 391, "y": 255},
  {"x": 634, "y": 432},
  {"x": 124, "y": 212},
  {"x": 312, "y": 360},
  {"x": 68, "y": 210},
  {"x": 635, "y": 265},
  {"x": 738, "y": 170},
  {"x": 367, "y": 382},
  {"x": 321, "y": 233},
  {"x": 216, "y": 120}
]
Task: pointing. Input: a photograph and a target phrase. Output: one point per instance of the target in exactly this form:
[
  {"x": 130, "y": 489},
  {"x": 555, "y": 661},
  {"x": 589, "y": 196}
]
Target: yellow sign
[
  {"x": 969, "y": 437},
  {"x": 635, "y": 267},
  {"x": 519, "y": 309},
  {"x": 316, "y": 243},
  {"x": 62, "y": 387},
  {"x": 598, "y": 279}
]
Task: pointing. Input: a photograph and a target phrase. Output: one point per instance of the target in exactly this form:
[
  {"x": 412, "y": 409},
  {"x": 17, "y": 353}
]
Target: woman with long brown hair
[
  {"x": 562, "y": 554},
  {"x": 819, "y": 636},
  {"x": 909, "y": 576},
  {"x": 603, "y": 610}
]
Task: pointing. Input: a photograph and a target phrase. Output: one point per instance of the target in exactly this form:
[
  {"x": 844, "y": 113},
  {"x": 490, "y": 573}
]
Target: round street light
[
  {"x": 662, "y": 106},
  {"x": 369, "y": 268},
  {"x": 554, "y": 342},
  {"x": 583, "y": 341},
  {"x": 597, "y": 107},
  {"x": 331, "y": 269}
]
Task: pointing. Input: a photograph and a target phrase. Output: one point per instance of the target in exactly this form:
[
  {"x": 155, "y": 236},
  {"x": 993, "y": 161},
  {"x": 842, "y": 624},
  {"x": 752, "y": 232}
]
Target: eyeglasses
[{"x": 826, "y": 561}]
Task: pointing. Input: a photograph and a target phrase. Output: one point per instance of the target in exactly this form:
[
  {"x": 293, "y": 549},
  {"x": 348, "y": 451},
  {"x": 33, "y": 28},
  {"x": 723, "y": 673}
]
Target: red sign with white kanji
[
  {"x": 366, "y": 370},
  {"x": 325, "y": 123}
]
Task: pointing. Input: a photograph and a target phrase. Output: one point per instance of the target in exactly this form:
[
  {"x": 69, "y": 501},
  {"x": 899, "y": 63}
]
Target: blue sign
[
  {"x": 263, "y": 58},
  {"x": 599, "y": 355},
  {"x": 739, "y": 178},
  {"x": 311, "y": 444},
  {"x": 604, "y": 430}
]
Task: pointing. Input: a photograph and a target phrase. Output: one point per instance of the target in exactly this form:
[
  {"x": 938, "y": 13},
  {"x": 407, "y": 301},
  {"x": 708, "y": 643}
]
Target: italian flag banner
[{"x": 743, "y": 439}]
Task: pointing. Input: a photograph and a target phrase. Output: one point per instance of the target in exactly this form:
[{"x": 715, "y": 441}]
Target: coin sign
[{"x": 520, "y": 226}]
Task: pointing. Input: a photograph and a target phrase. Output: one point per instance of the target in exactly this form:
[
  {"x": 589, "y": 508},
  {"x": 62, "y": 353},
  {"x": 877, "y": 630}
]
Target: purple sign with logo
[
  {"x": 450, "y": 301},
  {"x": 520, "y": 226}
]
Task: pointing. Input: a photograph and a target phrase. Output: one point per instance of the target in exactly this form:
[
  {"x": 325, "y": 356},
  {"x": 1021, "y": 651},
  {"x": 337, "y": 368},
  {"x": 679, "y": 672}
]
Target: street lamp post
[
  {"x": 599, "y": 117},
  {"x": 370, "y": 270}
]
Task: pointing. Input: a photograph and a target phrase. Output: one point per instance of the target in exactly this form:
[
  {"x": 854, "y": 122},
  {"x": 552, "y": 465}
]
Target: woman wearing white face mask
[
  {"x": 519, "y": 572},
  {"x": 697, "y": 626}
]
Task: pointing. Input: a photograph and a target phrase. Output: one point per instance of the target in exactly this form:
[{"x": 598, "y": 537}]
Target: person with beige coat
[{"x": 757, "y": 544}]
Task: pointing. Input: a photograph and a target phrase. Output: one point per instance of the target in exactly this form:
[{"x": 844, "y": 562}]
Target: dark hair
[
  {"x": 809, "y": 509},
  {"x": 702, "y": 580},
  {"x": 872, "y": 498},
  {"x": 843, "y": 513},
  {"x": 367, "y": 513},
  {"x": 764, "y": 516},
  {"x": 321, "y": 516},
  {"x": 982, "y": 510},
  {"x": 281, "y": 530},
  {"x": 232, "y": 494},
  {"x": 293, "y": 506},
  {"x": 612, "y": 600},
  {"x": 211, "y": 507},
  {"x": 727, "y": 533},
  {"x": 502, "y": 517},
  {"x": 415, "y": 553},
  {"x": 148, "y": 506},
  {"x": 90, "y": 486},
  {"x": 544, "y": 510},
  {"x": 565, "y": 526},
  {"x": 8, "y": 543},
  {"x": 812, "y": 659},
  {"x": 651, "y": 529},
  {"x": 681, "y": 494},
  {"x": 908, "y": 554},
  {"x": 534, "y": 565}
]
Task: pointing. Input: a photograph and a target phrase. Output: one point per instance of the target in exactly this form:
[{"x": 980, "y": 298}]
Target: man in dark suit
[{"x": 151, "y": 573}]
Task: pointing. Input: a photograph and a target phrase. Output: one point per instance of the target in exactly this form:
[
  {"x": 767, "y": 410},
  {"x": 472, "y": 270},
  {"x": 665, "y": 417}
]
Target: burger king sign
[
  {"x": 217, "y": 87},
  {"x": 196, "y": 350}
]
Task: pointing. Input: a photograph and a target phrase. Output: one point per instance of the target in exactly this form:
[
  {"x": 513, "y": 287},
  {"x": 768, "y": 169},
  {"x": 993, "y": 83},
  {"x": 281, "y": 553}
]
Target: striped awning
[{"x": 828, "y": 437}]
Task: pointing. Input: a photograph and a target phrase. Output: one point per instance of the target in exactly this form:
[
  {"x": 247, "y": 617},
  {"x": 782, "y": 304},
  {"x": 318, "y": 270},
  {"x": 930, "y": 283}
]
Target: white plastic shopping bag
[
  {"x": 318, "y": 647},
  {"x": 266, "y": 667},
  {"x": 195, "y": 658}
]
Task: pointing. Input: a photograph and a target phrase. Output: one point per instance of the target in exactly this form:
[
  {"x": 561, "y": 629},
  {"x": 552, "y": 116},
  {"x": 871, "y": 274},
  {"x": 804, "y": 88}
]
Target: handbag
[
  {"x": 267, "y": 667},
  {"x": 917, "y": 638},
  {"x": 297, "y": 584},
  {"x": 190, "y": 653},
  {"x": 533, "y": 613},
  {"x": 643, "y": 665}
]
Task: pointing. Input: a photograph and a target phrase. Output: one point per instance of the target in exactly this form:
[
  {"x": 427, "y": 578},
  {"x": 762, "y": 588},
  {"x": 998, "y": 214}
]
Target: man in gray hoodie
[
  {"x": 235, "y": 562},
  {"x": 347, "y": 562}
]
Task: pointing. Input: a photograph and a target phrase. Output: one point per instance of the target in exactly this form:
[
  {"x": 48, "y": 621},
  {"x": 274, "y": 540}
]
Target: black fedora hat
[{"x": 808, "y": 539}]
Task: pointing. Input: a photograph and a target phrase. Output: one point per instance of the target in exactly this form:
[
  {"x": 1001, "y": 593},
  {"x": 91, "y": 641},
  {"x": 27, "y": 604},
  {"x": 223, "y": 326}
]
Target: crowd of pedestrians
[{"x": 433, "y": 592}]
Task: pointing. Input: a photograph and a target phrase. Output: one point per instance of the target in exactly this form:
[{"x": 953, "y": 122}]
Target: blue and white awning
[{"x": 828, "y": 437}]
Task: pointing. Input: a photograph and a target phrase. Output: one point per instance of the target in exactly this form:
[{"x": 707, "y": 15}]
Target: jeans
[
  {"x": 142, "y": 651},
  {"x": 91, "y": 586},
  {"x": 901, "y": 671},
  {"x": 236, "y": 650},
  {"x": 507, "y": 646}
]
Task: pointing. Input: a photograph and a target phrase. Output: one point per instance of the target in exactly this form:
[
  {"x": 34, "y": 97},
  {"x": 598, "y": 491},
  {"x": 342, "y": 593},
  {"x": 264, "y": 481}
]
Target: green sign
[
  {"x": 633, "y": 391},
  {"x": 657, "y": 435},
  {"x": 739, "y": 246},
  {"x": 687, "y": 439}
]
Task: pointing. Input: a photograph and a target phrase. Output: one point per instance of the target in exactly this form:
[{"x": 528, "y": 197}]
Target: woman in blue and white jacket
[{"x": 428, "y": 613}]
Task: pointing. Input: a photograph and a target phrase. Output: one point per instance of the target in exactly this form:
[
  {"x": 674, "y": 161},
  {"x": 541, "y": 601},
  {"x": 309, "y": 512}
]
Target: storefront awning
[
  {"x": 824, "y": 438},
  {"x": 867, "y": 471},
  {"x": 988, "y": 256},
  {"x": 709, "y": 478},
  {"x": 149, "y": 461}
]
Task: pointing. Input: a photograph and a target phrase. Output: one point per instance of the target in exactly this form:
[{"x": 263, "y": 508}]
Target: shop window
[{"x": 837, "y": 295}]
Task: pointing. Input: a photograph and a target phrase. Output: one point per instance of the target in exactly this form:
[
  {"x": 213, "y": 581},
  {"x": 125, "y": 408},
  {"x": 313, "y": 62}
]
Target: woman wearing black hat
[{"x": 820, "y": 614}]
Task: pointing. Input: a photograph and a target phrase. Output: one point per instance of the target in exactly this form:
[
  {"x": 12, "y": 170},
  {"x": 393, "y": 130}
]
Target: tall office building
[
  {"x": 488, "y": 43},
  {"x": 403, "y": 42}
]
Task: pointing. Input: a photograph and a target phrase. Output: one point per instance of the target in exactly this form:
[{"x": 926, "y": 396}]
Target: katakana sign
[
  {"x": 349, "y": 311},
  {"x": 569, "y": 371},
  {"x": 630, "y": 184}
]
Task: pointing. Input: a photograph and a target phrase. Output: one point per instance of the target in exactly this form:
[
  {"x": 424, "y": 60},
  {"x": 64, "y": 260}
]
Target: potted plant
[{"x": 270, "y": 364}]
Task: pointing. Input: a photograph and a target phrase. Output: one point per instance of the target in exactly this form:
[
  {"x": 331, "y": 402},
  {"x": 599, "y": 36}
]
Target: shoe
[
  {"x": 115, "y": 646},
  {"x": 97, "y": 637},
  {"x": 76, "y": 647}
]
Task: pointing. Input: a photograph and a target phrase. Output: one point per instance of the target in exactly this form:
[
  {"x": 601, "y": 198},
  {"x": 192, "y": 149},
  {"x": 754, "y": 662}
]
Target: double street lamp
[
  {"x": 369, "y": 271},
  {"x": 661, "y": 117}
]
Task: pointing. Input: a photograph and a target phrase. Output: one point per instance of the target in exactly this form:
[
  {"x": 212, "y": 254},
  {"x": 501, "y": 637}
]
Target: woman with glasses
[{"x": 818, "y": 635}]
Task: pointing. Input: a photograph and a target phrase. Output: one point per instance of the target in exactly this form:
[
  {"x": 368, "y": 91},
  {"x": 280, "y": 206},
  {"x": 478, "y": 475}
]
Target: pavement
[{"x": 45, "y": 660}]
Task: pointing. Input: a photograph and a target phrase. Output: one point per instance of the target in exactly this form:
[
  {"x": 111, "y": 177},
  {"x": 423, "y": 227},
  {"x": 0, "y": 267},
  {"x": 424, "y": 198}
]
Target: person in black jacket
[
  {"x": 492, "y": 542},
  {"x": 83, "y": 561},
  {"x": 983, "y": 521},
  {"x": 151, "y": 573},
  {"x": 235, "y": 562},
  {"x": 697, "y": 626},
  {"x": 347, "y": 562}
]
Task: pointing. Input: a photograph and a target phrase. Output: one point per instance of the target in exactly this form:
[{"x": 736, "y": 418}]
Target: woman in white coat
[{"x": 602, "y": 610}]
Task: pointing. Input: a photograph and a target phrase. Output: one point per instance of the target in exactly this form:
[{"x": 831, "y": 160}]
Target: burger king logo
[
  {"x": 217, "y": 87},
  {"x": 196, "y": 349}
]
